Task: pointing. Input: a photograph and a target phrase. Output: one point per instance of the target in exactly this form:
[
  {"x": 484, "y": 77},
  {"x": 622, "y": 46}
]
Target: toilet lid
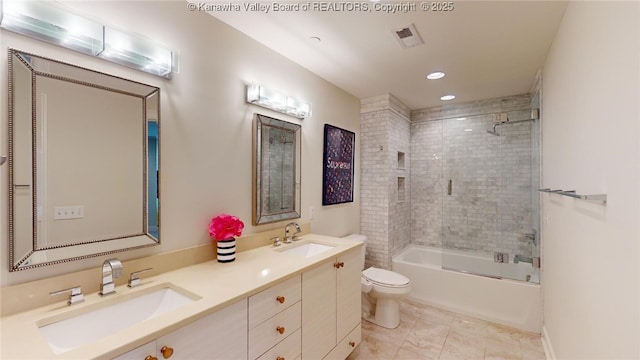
[{"x": 385, "y": 277}]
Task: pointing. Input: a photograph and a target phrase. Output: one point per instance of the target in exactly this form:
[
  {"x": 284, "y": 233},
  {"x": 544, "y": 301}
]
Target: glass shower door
[
  {"x": 471, "y": 181},
  {"x": 490, "y": 205},
  {"x": 518, "y": 196}
]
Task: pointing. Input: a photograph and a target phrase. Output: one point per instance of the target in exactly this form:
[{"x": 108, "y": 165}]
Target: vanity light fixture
[
  {"x": 52, "y": 23},
  {"x": 274, "y": 100},
  {"x": 136, "y": 52}
]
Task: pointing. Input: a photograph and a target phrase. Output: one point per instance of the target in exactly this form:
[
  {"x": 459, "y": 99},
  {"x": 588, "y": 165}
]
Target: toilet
[{"x": 382, "y": 291}]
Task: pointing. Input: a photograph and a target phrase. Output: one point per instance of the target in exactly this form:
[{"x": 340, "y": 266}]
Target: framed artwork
[{"x": 337, "y": 165}]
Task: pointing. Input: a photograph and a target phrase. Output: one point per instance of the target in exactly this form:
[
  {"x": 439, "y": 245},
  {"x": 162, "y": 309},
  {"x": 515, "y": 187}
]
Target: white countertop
[{"x": 218, "y": 285}]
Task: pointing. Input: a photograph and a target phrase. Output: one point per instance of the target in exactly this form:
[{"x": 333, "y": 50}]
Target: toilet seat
[{"x": 385, "y": 278}]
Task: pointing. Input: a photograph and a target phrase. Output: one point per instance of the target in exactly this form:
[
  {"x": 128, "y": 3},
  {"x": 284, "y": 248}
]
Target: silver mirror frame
[
  {"x": 261, "y": 213},
  {"x": 86, "y": 249}
]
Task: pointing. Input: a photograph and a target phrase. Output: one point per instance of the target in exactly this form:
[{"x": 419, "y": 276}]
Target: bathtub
[{"x": 517, "y": 304}]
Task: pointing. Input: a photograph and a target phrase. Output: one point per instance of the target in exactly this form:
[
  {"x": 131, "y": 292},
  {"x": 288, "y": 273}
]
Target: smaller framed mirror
[{"x": 276, "y": 170}]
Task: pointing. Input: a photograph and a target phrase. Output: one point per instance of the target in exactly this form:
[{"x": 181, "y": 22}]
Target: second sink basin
[
  {"x": 307, "y": 249},
  {"x": 81, "y": 327}
]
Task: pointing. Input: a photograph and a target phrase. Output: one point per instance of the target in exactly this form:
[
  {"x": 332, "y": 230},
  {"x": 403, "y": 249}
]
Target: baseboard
[{"x": 546, "y": 343}]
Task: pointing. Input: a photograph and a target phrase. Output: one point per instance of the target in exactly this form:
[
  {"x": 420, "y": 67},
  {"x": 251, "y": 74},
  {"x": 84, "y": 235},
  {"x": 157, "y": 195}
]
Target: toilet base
[{"x": 382, "y": 312}]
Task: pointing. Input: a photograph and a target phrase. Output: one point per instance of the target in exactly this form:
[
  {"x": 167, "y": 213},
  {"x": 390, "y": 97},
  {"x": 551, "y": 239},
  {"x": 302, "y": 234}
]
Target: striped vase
[{"x": 226, "y": 250}]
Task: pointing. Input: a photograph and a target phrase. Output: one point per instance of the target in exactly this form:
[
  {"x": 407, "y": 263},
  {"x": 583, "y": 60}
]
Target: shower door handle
[{"x": 450, "y": 187}]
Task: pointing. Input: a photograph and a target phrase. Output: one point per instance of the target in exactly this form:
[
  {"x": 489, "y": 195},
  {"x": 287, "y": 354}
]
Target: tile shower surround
[{"x": 493, "y": 203}]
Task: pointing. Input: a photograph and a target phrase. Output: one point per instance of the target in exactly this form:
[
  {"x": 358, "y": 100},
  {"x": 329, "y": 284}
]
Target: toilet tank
[{"x": 363, "y": 238}]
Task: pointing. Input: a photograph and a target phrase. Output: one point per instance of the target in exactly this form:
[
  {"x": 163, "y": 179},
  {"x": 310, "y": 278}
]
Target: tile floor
[{"x": 426, "y": 333}]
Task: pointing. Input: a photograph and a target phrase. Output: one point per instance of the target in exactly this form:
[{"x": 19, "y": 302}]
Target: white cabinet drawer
[
  {"x": 271, "y": 301},
  {"x": 287, "y": 349},
  {"x": 274, "y": 330},
  {"x": 346, "y": 346}
]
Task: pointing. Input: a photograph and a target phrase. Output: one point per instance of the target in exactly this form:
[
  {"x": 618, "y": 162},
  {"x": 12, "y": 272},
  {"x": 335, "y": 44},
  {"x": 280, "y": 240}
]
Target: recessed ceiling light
[
  {"x": 447, "y": 97},
  {"x": 315, "y": 39},
  {"x": 461, "y": 118},
  {"x": 468, "y": 130},
  {"x": 435, "y": 75}
]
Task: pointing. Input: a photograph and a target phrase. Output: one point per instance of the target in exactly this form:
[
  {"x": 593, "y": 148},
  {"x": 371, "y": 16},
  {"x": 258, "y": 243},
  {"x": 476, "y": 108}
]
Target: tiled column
[{"x": 385, "y": 186}]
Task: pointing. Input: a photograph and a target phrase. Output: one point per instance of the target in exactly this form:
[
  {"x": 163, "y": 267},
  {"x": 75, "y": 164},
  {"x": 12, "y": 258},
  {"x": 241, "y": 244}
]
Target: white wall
[
  {"x": 206, "y": 126},
  {"x": 591, "y": 136}
]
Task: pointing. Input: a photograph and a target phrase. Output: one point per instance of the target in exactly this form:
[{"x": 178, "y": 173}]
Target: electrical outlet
[
  {"x": 312, "y": 212},
  {"x": 68, "y": 212}
]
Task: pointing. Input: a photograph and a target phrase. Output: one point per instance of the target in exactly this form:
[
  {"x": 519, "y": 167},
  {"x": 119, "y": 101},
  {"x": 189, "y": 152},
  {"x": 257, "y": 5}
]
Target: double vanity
[{"x": 296, "y": 301}]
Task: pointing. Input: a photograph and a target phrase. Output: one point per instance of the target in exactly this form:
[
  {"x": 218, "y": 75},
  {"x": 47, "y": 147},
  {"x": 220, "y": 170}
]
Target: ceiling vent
[{"x": 407, "y": 36}]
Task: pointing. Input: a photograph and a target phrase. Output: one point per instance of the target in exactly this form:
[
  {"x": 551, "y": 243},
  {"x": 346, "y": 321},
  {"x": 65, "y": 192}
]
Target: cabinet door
[
  {"x": 318, "y": 311},
  {"x": 221, "y": 335},
  {"x": 349, "y": 303}
]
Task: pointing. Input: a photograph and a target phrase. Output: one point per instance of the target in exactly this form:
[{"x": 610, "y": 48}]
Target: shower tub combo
[{"x": 490, "y": 297}]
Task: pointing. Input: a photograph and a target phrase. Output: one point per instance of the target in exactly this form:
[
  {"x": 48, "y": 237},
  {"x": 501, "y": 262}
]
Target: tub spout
[
  {"x": 534, "y": 261},
  {"x": 520, "y": 258}
]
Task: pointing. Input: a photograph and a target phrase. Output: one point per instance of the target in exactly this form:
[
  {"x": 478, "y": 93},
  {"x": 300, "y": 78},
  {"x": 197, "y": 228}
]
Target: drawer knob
[
  {"x": 166, "y": 351},
  {"x": 150, "y": 357},
  {"x": 338, "y": 265},
  {"x": 280, "y": 329},
  {"x": 279, "y": 358},
  {"x": 280, "y": 299},
  {"x": 352, "y": 343}
]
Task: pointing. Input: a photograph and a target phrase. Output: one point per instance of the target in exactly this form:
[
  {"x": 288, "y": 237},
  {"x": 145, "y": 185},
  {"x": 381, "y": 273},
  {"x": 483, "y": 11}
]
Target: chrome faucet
[
  {"x": 287, "y": 237},
  {"x": 111, "y": 269}
]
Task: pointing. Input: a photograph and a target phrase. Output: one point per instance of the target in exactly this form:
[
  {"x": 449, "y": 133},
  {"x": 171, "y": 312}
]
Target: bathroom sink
[
  {"x": 306, "y": 250},
  {"x": 85, "y": 325}
]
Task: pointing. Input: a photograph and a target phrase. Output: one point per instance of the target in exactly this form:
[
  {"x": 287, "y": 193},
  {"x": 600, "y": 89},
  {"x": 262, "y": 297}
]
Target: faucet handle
[
  {"x": 276, "y": 241},
  {"x": 75, "y": 296},
  {"x": 134, "y": 280}
]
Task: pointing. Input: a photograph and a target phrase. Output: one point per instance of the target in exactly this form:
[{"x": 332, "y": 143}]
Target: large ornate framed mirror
[
  {"x": 83, "y": 162},
  {"x": 276, "y": 171}
]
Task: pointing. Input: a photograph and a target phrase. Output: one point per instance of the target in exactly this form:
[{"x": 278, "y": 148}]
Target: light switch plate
[{"x": 68, "y": 212}]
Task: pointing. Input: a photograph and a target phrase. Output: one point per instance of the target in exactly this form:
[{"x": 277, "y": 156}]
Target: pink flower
[{"x": 225, "y": 226}]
